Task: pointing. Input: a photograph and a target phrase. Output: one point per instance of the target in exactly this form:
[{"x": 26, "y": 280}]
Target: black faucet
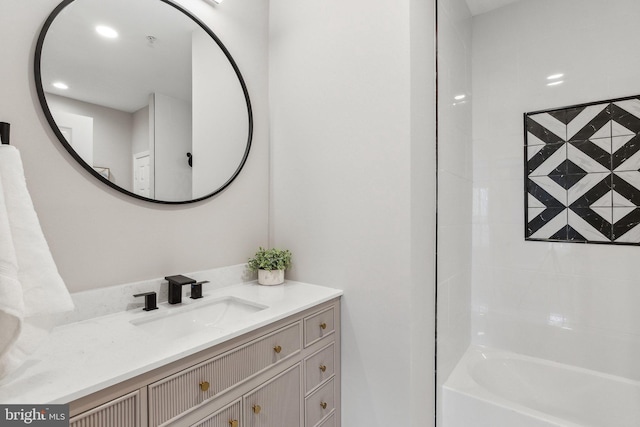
[
  {"x": 175, "y": 287},
  {"x": 150, "y": 300}
]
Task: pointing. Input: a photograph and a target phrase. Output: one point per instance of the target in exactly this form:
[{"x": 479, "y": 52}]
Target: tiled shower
[
  {"x": 529, "y": 228},
  {"x": 582, "y": 168}
]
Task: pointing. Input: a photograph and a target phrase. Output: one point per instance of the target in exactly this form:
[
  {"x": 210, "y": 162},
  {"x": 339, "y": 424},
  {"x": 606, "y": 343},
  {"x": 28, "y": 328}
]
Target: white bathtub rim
[
  {"x": 461, "y": 381},
  {"x": 508, "y": 405},
  {"x": 476, "y": 351}
]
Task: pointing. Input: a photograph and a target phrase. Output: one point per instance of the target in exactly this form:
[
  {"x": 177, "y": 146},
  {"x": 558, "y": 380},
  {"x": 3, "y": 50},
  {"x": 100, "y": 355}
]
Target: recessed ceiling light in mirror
[
  {"x": 61, "y": 85},
  {"x": 559, "y": 82},
  {"x": 459, "y": 97},
  {"x": 555, "y": 76},
  {"x": 107, "y": 32}
]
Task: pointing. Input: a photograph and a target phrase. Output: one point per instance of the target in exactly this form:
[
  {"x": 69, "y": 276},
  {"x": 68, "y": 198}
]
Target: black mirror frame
[{"x": 62, "y": 139}]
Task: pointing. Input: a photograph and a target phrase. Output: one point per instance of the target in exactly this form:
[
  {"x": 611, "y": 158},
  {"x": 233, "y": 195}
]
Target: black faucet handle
[
  {"x": 196, "y": 289},
  {"x": 150, "y": 300}
]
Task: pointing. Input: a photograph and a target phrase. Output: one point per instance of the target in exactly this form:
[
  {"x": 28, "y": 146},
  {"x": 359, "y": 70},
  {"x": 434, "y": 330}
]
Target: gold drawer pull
[
  {"x": 233, "y": 423},
  {"x": 323, "y": 405},
  {"x": 323, "y": 325},
  {"x": 204, "y": 385},
  {"x": 277, "y": 349},
  {"x": 323, "y": 368},
  {"x": 256, "y": 409}
]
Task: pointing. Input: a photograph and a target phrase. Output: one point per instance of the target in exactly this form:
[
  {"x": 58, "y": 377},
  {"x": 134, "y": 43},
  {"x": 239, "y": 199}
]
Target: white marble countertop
[{"x": 80, "y": 358}]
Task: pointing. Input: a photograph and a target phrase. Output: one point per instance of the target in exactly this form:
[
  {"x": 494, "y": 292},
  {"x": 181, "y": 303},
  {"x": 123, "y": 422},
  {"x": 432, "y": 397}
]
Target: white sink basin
[{"x": 198, "y": 316}]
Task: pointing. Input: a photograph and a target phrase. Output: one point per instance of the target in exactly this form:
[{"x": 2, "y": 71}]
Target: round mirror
[{"x": 145, "y": 97}]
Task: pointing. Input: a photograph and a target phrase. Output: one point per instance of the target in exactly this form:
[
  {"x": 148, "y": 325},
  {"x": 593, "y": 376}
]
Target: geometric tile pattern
[{"x": 582, "y": 173}]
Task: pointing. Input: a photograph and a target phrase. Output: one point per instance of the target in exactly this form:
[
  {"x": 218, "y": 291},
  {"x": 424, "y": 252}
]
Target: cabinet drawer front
[
  {"x": 181, "y": 392},
  {"x": 318, "y": 326},
  {"x": 224, "y": 417},
  {"x": 319, "y": 367},
  {"x": 277, "y": 403},
  {"x": 122, "y": 412},
  {"x": 320, "y": 404},
  {"x": 329, "y": 422}
]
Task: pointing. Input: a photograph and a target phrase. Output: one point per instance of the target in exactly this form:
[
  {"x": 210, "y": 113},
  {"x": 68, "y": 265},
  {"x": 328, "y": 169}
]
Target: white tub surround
[
  {"x": 83, "y": 357},
  {"x": 572, "y": 303},
  {"x": 498, "y": 388}
]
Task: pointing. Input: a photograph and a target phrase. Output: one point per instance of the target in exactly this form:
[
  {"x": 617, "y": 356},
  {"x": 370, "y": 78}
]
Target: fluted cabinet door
[
  {"x": 121, "y": 412},
  {"x": 229, "y": 416},
  {"x": 277, "y": 403}
]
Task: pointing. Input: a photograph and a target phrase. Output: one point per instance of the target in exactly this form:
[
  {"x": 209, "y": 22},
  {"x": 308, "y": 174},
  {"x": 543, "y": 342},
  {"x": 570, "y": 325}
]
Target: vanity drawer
[
  {"x": 124, "y": 412},
  {"x": 320, "y": 404},
  {"x": 318, "y": 325},
  {"x": 226, "y": 417},
  {"x": 183, "y": 391},
  {"x": 319, "y": 367},
  {"x": 329, "y": 422}
]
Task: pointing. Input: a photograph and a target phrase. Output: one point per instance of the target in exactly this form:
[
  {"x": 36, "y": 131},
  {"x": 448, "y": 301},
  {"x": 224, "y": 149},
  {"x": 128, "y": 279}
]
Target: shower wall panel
[
  {"x": 572, "y": 303},
  {"x": 455, "y": 100}
]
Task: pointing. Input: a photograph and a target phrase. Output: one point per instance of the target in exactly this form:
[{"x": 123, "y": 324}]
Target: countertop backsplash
[{"x": 112, "y": 299}]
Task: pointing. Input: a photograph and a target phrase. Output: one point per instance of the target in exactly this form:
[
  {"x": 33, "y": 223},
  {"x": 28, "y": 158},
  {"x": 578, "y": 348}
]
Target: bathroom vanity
[
  {"x": 269, "y": 356},
  {"x": 285, "y": 374}
]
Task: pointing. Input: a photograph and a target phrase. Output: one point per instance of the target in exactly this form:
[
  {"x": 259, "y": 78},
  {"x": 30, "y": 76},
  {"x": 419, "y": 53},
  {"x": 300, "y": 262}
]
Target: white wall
[
  {"x": 100, "y": 237},
  {"x": 220, "y": 129},
  {"x": 172, "y": 142},
  {"x": 352, "y": 165},
  {"x": 573, "y": 303},
  {"x": 422, "y": 24},
  {"x": 140, "y": 132},
  {"x": 454, "y": 184},
  {"x": 112, "y": 134},
  {"x": 353, "y": 181}
]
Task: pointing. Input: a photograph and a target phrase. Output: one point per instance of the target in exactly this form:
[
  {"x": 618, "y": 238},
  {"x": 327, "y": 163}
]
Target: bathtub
[{"x": 496, "y": 388}]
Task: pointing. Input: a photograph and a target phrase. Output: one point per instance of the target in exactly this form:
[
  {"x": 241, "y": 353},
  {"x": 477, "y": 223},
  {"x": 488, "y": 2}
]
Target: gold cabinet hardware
[
  {"x": 323, "y": 368},
  {"x": 277, "y": 349},
  {"x": 323, "y": 405},
  {"x": 204, "y": 385},
  {"x": 233, "y": 423},
  {"x": 256, "y": 409},
  {"x": 323, "y": 325}
]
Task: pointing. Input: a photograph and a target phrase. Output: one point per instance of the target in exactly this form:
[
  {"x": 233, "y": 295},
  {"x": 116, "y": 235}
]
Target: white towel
[
  {"x": 11, "y": 304},
  {"x": 43, "y": 290}
]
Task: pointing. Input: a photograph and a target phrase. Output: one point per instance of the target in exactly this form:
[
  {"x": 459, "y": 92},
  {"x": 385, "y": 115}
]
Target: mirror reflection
[{"x": 144, "y": 97}]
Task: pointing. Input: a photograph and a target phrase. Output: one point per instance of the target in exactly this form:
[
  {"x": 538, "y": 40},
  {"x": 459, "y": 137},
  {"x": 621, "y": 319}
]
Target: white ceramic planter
[{"x": 270, "y": 278}]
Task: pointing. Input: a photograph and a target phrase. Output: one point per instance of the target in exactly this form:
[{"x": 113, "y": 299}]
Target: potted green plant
[{"x": 270, "y": 265}]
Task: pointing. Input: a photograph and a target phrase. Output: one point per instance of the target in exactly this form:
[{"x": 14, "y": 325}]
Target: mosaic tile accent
[{"x": 582, "y": 173}]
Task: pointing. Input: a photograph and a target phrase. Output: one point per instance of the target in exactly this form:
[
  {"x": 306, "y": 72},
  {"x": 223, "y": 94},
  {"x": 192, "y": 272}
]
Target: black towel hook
[{"x": 190, "y": 161}]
